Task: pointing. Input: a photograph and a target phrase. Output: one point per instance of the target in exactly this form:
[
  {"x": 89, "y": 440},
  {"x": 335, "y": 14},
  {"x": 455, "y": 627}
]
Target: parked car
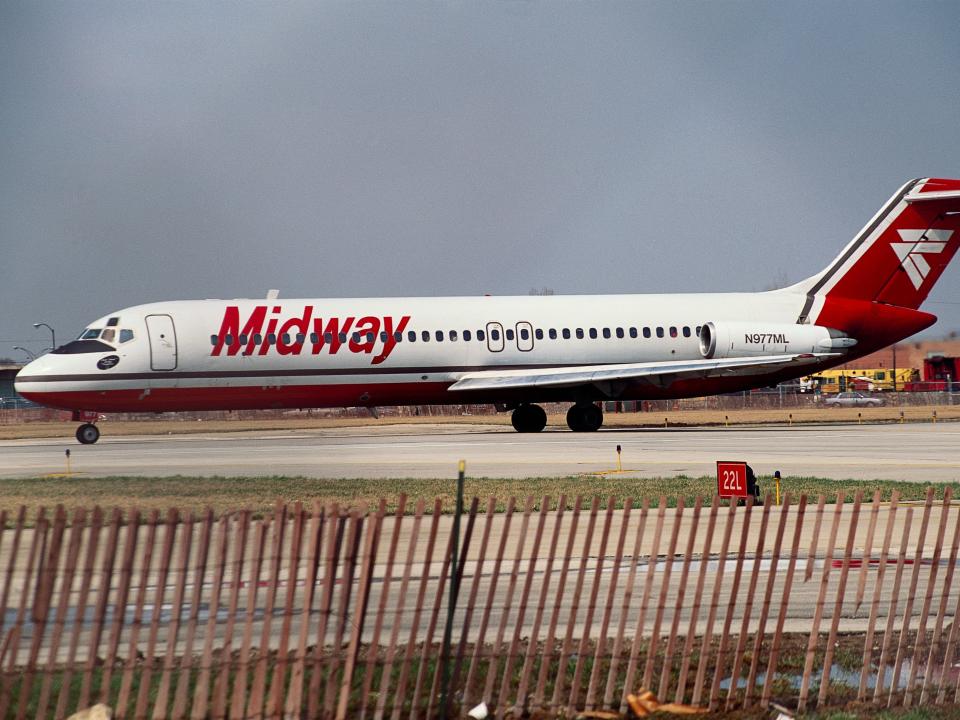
[{"x": 852, "y": 399}]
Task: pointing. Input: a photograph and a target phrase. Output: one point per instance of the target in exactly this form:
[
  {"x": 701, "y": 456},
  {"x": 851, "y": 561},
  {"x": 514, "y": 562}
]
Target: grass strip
[{"x": 227, "y": 494}]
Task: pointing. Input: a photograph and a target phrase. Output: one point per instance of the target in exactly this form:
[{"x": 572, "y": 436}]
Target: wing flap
[{"x": 590, "y": 374}]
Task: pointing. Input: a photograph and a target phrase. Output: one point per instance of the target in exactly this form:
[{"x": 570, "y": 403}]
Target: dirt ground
[{"x": 680, "y": 418}]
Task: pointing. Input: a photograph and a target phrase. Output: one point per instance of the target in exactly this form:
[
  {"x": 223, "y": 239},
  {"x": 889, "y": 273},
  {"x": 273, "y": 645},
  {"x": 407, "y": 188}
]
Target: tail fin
[{"x": 900, "y": 254}]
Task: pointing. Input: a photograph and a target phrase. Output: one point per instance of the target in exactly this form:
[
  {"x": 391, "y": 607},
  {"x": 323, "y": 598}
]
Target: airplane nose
[{"x": 22, "y": 380}]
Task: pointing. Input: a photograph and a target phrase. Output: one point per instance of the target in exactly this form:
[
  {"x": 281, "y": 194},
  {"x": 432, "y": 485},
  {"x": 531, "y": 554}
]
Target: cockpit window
[
  {"x": 113, "y": 322},
  {"x": 108, "y": 335},
  {"x": 82, "y": 346},
  {"x": 126, "y": 335},
  {"x": 90, "y": 334}
]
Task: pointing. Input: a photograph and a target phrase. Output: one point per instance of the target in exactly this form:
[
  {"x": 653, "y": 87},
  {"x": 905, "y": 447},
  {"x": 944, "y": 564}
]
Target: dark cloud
[{"x": 168, "y": 150}]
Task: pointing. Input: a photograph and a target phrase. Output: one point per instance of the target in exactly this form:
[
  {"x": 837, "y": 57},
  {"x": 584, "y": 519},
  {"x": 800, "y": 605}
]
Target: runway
[{"x": 914, "y": 452}]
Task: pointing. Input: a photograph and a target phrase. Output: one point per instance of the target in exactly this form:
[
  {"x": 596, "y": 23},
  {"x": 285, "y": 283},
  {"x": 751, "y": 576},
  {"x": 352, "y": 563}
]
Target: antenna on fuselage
[{"x": 273, "y": 294}]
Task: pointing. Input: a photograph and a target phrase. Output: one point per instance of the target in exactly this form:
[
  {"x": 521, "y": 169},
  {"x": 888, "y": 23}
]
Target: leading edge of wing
[{"x": 586, "y": 374}]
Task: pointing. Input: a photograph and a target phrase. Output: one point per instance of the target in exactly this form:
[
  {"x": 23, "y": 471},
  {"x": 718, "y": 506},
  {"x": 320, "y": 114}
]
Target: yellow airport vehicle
[{"x": 870, "y": 380}]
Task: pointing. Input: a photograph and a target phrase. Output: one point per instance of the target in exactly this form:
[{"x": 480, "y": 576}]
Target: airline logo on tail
[{"x": 916, "y": 244}]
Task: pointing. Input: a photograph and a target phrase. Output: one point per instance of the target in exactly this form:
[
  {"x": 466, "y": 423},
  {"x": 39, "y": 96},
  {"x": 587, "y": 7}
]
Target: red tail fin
[{"x": 898, "y": 257}]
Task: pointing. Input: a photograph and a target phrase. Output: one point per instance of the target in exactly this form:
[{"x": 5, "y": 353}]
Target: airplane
[{"x": 513, "y": 352}]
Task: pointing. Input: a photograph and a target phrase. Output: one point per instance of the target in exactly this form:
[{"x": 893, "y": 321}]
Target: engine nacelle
[{"x": 746, "y": 339}]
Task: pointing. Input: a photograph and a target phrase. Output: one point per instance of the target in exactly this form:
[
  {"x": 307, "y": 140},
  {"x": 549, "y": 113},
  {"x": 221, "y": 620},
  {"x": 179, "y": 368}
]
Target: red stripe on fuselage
[{"x": 253, "y": 397}]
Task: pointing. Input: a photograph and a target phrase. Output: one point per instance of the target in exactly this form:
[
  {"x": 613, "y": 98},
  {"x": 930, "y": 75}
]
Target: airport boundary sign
[{"x": 731, "y": 479}]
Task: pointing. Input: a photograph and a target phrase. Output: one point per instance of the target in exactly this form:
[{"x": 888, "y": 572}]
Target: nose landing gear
[
  {"x": 584, "y": 417},
  {"x": 88, "y": 434},
  {"x": 529, "y": 419}
]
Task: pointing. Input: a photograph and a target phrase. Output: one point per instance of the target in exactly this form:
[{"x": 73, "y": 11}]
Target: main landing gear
[
  {"x": 88, "y": 434},
  {"x": 584, "y": 417},
  {"x": 529, "y": 418}
]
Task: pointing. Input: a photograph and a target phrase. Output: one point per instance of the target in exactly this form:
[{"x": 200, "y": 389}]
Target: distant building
[
  {"x": 910, "y": 354},
  {"x": 8, "y": 371}
]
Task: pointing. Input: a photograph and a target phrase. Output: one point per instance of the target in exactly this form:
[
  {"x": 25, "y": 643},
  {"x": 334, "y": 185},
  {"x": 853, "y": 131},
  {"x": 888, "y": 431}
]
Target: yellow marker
[
  {"x": 67, "y": 453},
  {"x": 859, "y": 418},
  {"x": 726, "y": 421},
  {"x": 901, "y": 417},
  {"x": 791, "y": 419},
  {"x": 463, "y": 466},
  {"x": 666, "y": 423},
  {"x": 619, "y": 465},
  {"x": 934, "y": 417},
  {"x": 776, "y": 477}
]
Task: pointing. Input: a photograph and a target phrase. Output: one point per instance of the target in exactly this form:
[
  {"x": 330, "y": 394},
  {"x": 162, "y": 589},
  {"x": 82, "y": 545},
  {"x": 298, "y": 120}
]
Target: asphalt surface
[{"x": 914, "y": 452}]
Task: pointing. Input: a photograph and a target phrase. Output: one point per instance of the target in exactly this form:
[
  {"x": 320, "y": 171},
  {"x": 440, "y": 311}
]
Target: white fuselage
[{"x": 222, "y": 354}]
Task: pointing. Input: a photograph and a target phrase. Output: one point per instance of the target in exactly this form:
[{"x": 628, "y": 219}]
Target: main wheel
[
  {"x": 585, "y": 417},
  {"x": 88, "y": 434},
  {"x": 529, "y": 419}
]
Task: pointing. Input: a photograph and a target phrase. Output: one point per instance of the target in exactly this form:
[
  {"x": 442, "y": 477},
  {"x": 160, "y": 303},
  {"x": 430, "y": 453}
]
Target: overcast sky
[{"x": 160, "y": 150}]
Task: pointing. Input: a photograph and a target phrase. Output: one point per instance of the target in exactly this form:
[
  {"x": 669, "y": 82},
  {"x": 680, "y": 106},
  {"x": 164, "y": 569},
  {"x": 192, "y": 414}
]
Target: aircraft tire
[
  {"x": 87, "y": 434},
  {"x": 585, "y": 417},
  {"x": 529, "y": 419}
]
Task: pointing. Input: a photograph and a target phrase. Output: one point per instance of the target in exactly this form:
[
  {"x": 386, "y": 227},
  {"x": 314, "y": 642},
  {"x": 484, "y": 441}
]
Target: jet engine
[{"x": 746, "y": 339}]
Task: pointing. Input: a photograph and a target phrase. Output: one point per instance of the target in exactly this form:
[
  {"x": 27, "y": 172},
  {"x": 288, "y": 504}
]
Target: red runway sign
[{"x": 731, "y": 479}]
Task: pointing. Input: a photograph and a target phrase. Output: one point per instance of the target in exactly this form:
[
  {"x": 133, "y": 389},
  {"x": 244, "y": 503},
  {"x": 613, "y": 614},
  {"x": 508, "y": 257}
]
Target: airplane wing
[{"x": 658, "y": 372}]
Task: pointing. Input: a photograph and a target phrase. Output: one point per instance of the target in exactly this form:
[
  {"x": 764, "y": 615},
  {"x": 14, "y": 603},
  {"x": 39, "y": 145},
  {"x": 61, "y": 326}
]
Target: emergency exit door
[{"x": 163, "y": 342}]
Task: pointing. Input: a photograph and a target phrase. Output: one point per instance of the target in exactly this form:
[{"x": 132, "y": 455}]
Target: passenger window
[
  {"x": 552, "y": 333},
  {"x": 425, "y": 336},
  {"x": 314, "y": 338},
  {"x": 673, "y": 331},
  {"x": 412, "y": 336},
  {"x": 524, "y": 334},
  {"x": 593, "y": 333},
  {"x": 481, "y": 335},
  {"x": 328, "y": 337},
  {"x": 566, "y": 333},
  {"x": 397, "y": 336},
  {"x": 243, "y": 339},
  {"x": 633, "y": 332},
  {"x": 301, "y": 338},
  {"x": 509, "y": 334},
  {"x": 384, "y": 336},
  {"x": 342, "y": 337},
  {"x": 453, "y": 336},
  {"x": 619, "y": 332},
  {"x": 213, "y": 339},
  {"x": 257, "y": 338},
  {"x": 371, "y": 337},
  {"x": 659, "y": 332},
  {"x": 272, "y": 339},
  {"x": 697, "y": 331},
  {"x": 467, "y": 336},
  {"x": 579, "y": 333},
  {"x": 439, "y": 334},
  {"x": 686, "y": 331},
  {"x": 494, "y": 335},
  {"x": 356, "y": 337},
  {"x": 229, "y": 339},
  {"x": 646, "y": 332},
  {"x": 538, "y": 334},
  {"x": 606, "y": 333}
]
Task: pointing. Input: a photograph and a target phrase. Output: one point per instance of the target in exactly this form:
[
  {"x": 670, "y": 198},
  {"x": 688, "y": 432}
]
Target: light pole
[
  {"x": 29, "y": 354},
  {"x": 53, "y": 335}
]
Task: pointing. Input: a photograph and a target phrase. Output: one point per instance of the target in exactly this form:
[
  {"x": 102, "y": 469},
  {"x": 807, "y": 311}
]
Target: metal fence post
[{"x": 454, "y": 592}]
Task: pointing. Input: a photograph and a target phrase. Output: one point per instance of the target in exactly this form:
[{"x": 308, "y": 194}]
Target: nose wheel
[
  {"x": 585, "y": 417},
  {"x": 529, "y": 419},
  {"x": 88, "y": 434}
]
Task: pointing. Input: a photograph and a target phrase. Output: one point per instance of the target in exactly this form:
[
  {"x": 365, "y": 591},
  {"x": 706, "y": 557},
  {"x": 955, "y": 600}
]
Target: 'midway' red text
[{"x": 263, "y": 331}]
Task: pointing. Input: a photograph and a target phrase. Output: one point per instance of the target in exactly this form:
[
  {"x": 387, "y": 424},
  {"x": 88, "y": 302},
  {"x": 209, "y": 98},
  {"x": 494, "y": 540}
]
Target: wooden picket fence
[{"x": 338, "y": 612}]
